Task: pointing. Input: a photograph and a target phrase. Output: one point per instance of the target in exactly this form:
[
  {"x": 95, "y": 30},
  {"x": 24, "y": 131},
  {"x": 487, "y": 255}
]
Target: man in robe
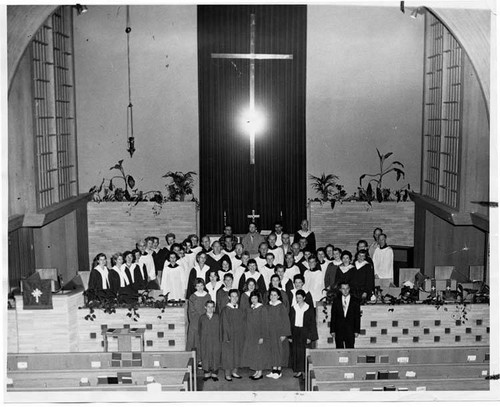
[
  {"x": 279, "y": 256},
  {"x": 206, "y": 247},
  {"x": 261, "y": 258},
  {"x": 215, "y": 257},
  {"x": 383, "y": 259},
  {"x": 252, "y": 240},
  {"x": 210, "y": 342},
  {"x": 374, "y": 245},
  {"x": 233, "y": 336},
  {"x": 278, "y": 232}
]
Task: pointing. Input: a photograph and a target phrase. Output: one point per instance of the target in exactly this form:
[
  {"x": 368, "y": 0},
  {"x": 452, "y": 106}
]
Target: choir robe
[
  {"x": 279, "y": 257},
  {"x": 222, "y": 298},
  {"x": 278, "y": 325},
  {"x": 309, "y": 235},
  {"x": 330, "y": 276},
  {"x": 190, "y": 259},
  {"x": 123, "y": 289},
  {"x": 196, "y": 308},
  {"x": 343, "y": 276},
  {"x": 383, "y": 262},
  {"x": 214, "y": 261},
  {"x": 195, "y": 273},
  {"x": 244, "y": 301},
  {"x": 315, "y": 283},
  {"x": 173, "y": 282},
  {"x": 140, "y": 276},
  {"x": 96, "y": 290},
  {"x": 261, "y": 284},
  {"x": 230, "y": 253},
  {"x": 300, "y": 336},
  {"x": 363, "y": 279},
  {"x": 210, "y": 342},
  {"x": 212, "y": 290},
  {"x": 261, "y": 262},
  {"x": 160, "y": 258},
  {"x": 267, "y": 272},
  {"x": 236, "y": 262},
  {"x": 233, "y": 336},
  {"x": 255, "y": 355},
  {"x": 284, "y": 299},
  {"x": 291, "y": 272},
  {"x": 303, "y": 266},
  {"x": 293, "y": 301},
  {"x": 222, "y": 273}
]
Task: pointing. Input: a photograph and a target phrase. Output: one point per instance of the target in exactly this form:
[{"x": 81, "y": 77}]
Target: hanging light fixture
[{"x": 130, "y": 121}]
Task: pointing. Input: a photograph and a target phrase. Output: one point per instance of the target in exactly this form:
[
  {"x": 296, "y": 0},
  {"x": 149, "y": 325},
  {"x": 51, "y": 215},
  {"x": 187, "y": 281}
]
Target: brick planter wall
[
  {"x": 351, "y": 221},
  {"x": 117, "y": 226}
]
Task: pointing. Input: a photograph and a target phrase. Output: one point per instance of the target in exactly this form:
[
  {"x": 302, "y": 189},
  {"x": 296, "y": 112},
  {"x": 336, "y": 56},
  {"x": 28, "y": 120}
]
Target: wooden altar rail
[
  {"x": 345, "y": 369},
  {"x": 415, "y": 325}
]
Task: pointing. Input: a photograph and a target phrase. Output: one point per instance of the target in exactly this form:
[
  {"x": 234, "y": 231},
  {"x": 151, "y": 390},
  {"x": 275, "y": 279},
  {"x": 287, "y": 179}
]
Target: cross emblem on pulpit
[
  {"x": 253, "y": 215},
  {"x": 37, "y": 294}
]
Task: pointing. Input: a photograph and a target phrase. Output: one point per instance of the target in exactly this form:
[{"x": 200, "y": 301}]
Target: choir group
[{"x": 250, "y": 304}]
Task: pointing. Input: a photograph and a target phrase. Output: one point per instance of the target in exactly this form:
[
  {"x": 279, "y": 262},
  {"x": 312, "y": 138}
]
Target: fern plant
[
  {"x": 327, "y": 188},
  {"x": 181, "y": 185}
]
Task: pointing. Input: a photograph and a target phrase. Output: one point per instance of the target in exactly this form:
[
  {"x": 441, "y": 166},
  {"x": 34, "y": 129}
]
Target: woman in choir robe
[
  {"x": 363, "y": 279},
  {"x": 213, "y": 284},
  {"x": 286, "y": 284},
  {"x": 241, "y": 269},
  {"x": 337, "y": 256},
  {"x": 120, "y": 280},
  {"x": 225, "y": 268},
  {"x": 248, "y": 288},
  {"x": 252, "y": 272},
  {"x": 129, "y": 268},
  {"x": 172, "y": 280},
  {"x": 256, "y": 349},
  {"x": 278, "y": 327},
  {"x": 299, "y": 282},
  {"x": 233, "y": 336},
  {"x": 304, "y": 332},
  {"x": 189, "y": 254},
  {"x": 200, "y": 270},
  {"x": 140, "y": 272},
  {"x": 196, "y": 308},
  {"x": 276, "y": 284},
  {"x": 210, "y": 342},
  {"x": 345, "y": 271},
  {"x": 307, "y": 234},
  {"x": 329, "y": 252},
  {"x": 99, "y": 285},
  {"x": 314, "y": 280}
]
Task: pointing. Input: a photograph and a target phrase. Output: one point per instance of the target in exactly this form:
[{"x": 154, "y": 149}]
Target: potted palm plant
[
  {"x": 181, "y": 185},
  {"x": 327, "y": 188}
]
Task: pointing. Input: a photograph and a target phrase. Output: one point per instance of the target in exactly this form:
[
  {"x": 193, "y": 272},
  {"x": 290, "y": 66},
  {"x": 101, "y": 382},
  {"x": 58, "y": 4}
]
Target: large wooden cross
[{"x": 252, "y": 56}]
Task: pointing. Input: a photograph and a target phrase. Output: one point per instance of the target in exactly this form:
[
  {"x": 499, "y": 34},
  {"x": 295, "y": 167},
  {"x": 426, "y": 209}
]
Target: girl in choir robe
[
  {"x": 225, "y": 268},
  {"x": 248, "y": 288},
  {"x": 210, "y": 342},
  {"x": 99, "y": 285},
  {"x": 267, "y": 270},
  {"x": 337, "y": 256},
  {"x": 140, "y": 272},
  {"x": 223, "y": 293},
  {"x": 256, "y": 349},
  {"x": 306, "y": 233},
  {"x": 189, "y": 254},
  {"x": 172, "y": 279},
  {"x": 363, "y": 279},
  {"x": 200, "y": 270},
  {"x": 329, "y": 252},
  {"x": 196, "y": 308},
  {"x": 129, "y": 268},
  {"x": 276, "y": 285},
  {"x": 233, "y": 336},
  {"x": 278, "y": 328},
  {"x": 213, "y": 284},
  {"x": 252, "y": 272},
  {"x": 304, "y": 332},
  {"x": 314, "y": 280},
  {"x": 345, "y": 271},
  {"x": 120, "y": 280}
]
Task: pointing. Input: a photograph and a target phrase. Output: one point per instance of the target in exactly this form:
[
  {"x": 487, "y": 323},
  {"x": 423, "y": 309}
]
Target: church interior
[{"x": 108, "y": 104}]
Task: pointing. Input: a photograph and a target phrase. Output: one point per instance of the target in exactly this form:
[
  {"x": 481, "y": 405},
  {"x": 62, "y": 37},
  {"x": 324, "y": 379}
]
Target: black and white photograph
[{"x": 250, "y": 202}]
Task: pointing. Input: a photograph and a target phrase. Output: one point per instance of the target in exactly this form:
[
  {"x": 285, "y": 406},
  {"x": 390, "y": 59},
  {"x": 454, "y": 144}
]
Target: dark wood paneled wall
[{"x": 21, "y": 255}]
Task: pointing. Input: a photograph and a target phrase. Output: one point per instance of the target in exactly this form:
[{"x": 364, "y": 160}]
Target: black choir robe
[
  {"x": 95, "y": 290},
  {"x": 255, "y": 355},
  {"x": 191, "y": 286},
  {"x": 363, "y": 280},
  {"x": 196, "y": 308},
  {"x": 278, "y": 325},
  {"x": 299, "y": 337},
  {"x": 233, "y": 336},
  {"x": 221, "y": 299},
  {"x": 330, "y": 276},
  {"x": 307, "y": 300},
  {"x": 216, "y": 264},
  {"x": 125, "y": 294},
  {"x": 311, "y": 240},
  {"x": 210, "y": 342},
  {"x": 346, "y": 326},
  {"x": 261, "y": 284}
]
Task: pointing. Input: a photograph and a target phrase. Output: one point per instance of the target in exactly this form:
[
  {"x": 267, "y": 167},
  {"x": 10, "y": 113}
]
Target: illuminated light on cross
[
  {"x": 37, "y": 294},
  {"x": 252, "y": 118},
  {"x": 253, "y": 216}
]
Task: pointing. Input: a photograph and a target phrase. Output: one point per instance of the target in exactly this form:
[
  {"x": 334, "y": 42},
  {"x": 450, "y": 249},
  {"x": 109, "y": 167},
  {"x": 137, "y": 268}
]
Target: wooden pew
[{"x": 464, "y": 384}]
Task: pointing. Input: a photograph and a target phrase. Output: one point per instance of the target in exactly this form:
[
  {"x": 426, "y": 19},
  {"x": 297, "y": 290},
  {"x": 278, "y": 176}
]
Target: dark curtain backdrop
[{"x": 226, "y": 176}]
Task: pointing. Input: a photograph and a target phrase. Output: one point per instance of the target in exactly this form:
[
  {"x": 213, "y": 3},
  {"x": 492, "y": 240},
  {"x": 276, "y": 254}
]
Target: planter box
[
  {"x": 351, "y": 221},
  {"x": 117, "y": 226}
]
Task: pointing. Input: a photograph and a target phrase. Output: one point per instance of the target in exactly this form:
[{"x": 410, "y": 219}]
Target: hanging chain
[{"x": 130, "y": 120}]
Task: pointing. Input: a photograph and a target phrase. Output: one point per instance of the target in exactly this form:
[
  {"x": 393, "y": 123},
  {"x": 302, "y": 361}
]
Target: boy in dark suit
[{"x": 345, "y": 318}]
